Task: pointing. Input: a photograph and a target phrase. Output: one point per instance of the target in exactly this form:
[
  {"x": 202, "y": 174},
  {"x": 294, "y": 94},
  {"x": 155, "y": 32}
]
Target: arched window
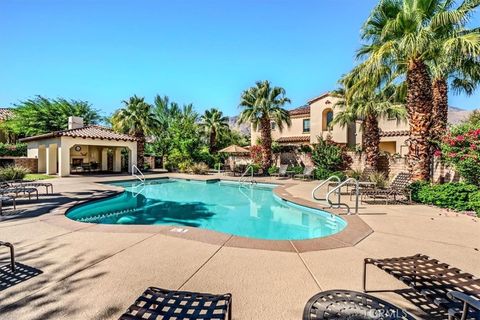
[{"x": 327, "y": 118}]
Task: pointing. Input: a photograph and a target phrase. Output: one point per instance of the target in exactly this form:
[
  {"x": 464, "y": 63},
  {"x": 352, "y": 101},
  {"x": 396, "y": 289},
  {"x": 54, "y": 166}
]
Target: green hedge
[
  {"x": 456, "y": 195},
  {"x": 13, "y": 150}
]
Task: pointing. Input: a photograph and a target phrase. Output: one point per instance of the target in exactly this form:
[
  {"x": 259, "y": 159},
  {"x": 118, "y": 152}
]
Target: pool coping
[{"x": 355, "y": 231}]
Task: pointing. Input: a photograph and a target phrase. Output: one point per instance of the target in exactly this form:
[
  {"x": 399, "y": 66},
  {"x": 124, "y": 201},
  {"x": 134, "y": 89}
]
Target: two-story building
[{"x": 314, "y": 119}]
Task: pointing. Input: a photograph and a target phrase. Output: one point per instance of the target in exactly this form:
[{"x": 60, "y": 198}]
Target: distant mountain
[
  {"x": 243, "y": 128},
  {"x": 456, "y": 115}
]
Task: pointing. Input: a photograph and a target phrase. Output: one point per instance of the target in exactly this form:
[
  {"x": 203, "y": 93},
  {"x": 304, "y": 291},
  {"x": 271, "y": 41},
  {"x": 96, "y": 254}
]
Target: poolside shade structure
[
  {"x": 156, "y": 303},
  {"x": 234, "y": 149},
  {"x": 344, "y": 304}
]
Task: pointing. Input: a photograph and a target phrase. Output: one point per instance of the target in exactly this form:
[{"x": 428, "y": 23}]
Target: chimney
[{"x": 75, "y": 122}]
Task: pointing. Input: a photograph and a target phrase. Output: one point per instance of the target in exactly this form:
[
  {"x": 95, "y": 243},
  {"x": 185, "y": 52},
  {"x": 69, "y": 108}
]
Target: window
[
  {"x": 306, "y": 125},
  {"x": 329, "y": 118},
  {"x": 273, "y": 125}
]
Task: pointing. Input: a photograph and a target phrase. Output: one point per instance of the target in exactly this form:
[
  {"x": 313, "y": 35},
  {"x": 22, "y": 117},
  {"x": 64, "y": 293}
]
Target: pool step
[{"x": 107, "y": 215}]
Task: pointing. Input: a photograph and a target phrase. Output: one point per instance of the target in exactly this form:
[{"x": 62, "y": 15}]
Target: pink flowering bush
[{"x": 461, "y": 149}]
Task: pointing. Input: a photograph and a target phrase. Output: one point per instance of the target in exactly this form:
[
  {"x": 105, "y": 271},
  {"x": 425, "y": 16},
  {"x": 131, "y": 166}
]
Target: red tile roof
[
  {"x": 294, "y": 139},
  {"x": 91, "y": 132},
  {"x": 395, "y": 133},
  {"x": 5, "y": 113},
  {"x": 300, "y": 111}
]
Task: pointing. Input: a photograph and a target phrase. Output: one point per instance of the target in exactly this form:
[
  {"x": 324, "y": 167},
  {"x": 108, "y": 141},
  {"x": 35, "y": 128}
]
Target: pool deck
[{"x": 96, "y": 271}]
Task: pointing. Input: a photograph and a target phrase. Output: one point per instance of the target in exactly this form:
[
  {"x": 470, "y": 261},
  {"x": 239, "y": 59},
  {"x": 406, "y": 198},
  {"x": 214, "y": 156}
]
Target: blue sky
[{"x": 203, "y": 52}]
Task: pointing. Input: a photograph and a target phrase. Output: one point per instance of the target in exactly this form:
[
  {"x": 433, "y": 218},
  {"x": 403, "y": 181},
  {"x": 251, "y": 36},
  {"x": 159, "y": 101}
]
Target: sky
[{"x": 202, "y": 52}]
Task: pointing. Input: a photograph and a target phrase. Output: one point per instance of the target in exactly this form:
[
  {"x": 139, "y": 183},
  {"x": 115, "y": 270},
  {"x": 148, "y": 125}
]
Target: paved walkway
[{"x": 90, "y": 272}]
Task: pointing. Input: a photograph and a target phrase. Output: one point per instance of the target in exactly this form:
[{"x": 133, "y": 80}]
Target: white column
[
  {"x": 104, "y": 159},
  {"x": 117, "y": 160},
  {"x": 51, "y": 155},
  {"x": 64, "y": 160},
  {"x": 42, "y": 159}
]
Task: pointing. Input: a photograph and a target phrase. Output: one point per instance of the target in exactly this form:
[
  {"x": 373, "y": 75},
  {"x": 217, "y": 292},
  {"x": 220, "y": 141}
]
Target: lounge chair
[
  {"x": 282, "y": 171},
  {"x": 398, "y": 187},
  {"x": 156, "y": 303},
  {"x": 6, "y": 188},
  {"x": 35, "y": 184},
  {"x": 307, "y": 173},
  {"x": 12, "y": 253},
  {"x": 345, "y": 304},
  {"x": 450, "y": 288},
  {"x": 363, "y": 180},
  {"x": 7, "y": 198}
]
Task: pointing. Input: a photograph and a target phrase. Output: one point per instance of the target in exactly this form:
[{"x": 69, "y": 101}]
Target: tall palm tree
[
  {"x": 136, "y": 118},
  {"x": 403, "y": 35},
  {"x": 365, "y": 99},
  {"x": 263, "y": 104},
  {"x": 213, "y": 122}
]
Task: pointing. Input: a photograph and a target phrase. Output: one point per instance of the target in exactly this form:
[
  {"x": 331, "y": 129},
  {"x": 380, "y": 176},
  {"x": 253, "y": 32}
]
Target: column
[
  {"x": 42, "y": 159},
  {"x": 64, "y": 160},
  {"x": 117, "y": 160},
  {"x": 104, "y": 159},
  {"x": 51, "y": 155}
]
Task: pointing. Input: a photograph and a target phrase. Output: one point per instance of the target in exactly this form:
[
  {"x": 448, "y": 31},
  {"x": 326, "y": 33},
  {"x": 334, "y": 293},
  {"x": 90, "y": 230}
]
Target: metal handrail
[
  {"x": 141, "y": 177},
  {"x": 338, "y": 204},
  {"x": 322, "y": 184},
  {"x": 244, "y": 178}
]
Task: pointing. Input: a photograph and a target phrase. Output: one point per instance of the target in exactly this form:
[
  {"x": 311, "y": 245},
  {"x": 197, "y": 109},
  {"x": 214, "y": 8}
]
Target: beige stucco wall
[
  {"x": 55, "y": 154},
  {"x": 295, "y": 130}
]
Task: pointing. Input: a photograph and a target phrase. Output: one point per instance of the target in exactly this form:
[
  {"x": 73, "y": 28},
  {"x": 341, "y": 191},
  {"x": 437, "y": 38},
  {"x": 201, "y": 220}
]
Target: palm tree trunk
[
  {"x": 266, "y": 134},
  {"x": 140, "y": 150},
  {"x": 371, "y": 141},
  {"x": 419, "y": 108},
  {"x": 440, "y": 108},
  {"x": 213, "y": 138}
]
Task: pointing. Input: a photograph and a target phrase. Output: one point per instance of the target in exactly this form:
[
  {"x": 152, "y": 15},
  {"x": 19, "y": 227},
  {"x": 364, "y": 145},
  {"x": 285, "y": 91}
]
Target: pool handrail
[
  {"x": 141, "y": 177},
  {"x": 244, "y": 176},
  {"x": 322, "y": 184},
  {"x": 339, "y": 187}
]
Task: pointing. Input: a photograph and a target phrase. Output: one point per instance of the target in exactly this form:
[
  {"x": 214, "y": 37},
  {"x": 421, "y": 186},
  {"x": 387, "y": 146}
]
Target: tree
[
  {"x": 369, "y": 99},
  {"x": 263, "y": 104},
  {"x": 136, "y": 118},
  {"x": 42, "y": 115},
  {"x": 403, "y": 34},
  {"x": 213, "y": 123}
]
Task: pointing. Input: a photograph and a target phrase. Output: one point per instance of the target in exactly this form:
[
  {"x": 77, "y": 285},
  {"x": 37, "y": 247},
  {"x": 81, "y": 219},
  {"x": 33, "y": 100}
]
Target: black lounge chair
[
  {"x": 35, "y": 184},
  {"x": 352, "y": 305},
  {"x": 363, "y": 181},
  {"x": 7, "y": 198},
  {"x": 156, "y": 303},
  {"x": 398, "y": 187},
  {"x": 449, "y": 288},
  {"x": 12, "y": 253}
]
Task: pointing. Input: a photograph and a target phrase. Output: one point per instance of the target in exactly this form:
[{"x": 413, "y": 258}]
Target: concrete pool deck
[{"x": 96, "y": 272}]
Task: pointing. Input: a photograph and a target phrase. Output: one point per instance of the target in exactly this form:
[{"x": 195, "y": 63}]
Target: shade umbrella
[{"x": 234, "y": 150}]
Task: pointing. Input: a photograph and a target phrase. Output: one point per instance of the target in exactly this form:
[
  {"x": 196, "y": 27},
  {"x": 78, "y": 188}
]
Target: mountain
[
  {"x": 456, "y": 115},
  {"x": 243, "y": 128}
]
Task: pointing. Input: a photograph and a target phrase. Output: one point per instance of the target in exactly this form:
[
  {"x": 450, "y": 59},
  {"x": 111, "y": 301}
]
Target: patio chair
[
  {"x": 398, "y": 187},
  {"x": 7, "y": 198},
  {"x": 307, "y": 173},
  {"x": 156, "y": 303},
  {"x": 363, "y": 180},
  {"x": 451, "y": 289},
  {"x": 345, "y": 304},
  {"x": 282, "y": 171},
  {"x": 12, "y": 253}
]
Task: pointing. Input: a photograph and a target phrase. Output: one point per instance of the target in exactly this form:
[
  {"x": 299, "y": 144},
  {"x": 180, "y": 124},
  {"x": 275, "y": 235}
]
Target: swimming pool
[{"x": 252, "y": 211}]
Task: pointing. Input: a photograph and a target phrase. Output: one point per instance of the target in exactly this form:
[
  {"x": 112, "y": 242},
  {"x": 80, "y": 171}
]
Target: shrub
[
  {"x": 184, "y": 166},
  {"x": 415, "y": 188},
  {"x": 199, "y": 168},
  {"x": 13, "y": 150},
  {"x": 217, "y": 166},
  {"x": 378, "y": 178},
  {"x": 475, "y": 202},
  {"x": 355, "y": 174},
  {"x": 296, "y": 169},
  {"x": 461, "y": 148},
  {"x": 454, "y": 196},
  {"x": 329, "y": 158},
  {"x": 13, "y": 173},
  {"x": 256, "y": 167},
  {"x": 273, "y": 170}
]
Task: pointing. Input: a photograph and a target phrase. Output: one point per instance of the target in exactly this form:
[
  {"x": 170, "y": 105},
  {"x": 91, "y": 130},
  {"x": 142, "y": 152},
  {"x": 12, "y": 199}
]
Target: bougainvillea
[
  {"x": 256, "y": 154},
  {"x": 462, "y": 150}
]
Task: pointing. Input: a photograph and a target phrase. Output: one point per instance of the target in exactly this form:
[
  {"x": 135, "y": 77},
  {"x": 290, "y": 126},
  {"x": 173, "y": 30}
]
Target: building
[
  {"x": 82, "y": 149},
  {"x": 313, "y": 120}
]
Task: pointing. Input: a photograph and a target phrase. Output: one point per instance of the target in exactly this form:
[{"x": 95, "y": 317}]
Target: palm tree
[
  {"x": 403, "y": 34},
  {"x": 214, "y": 123},
  {"x": 365, "y": 99},
  {"x": 263, "y": 104},
  {"x": 136, "y": 118}
]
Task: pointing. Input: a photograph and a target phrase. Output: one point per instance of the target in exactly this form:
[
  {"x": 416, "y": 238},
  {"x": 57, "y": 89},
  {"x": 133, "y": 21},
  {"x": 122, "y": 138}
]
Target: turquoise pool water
[{"x": 248, "y": 211}]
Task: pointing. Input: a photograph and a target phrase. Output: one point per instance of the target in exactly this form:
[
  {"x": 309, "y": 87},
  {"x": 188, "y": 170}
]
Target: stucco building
[
  {"x": 313, "y": 120},
  {"x": 82, "y": 148}
]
